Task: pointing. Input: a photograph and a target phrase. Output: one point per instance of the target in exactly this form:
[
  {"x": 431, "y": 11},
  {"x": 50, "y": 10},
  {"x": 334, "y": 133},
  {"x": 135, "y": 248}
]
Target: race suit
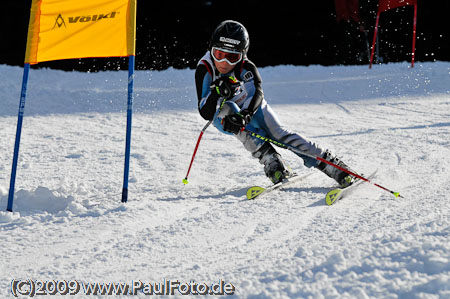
[{"x": 251, "y": 97}]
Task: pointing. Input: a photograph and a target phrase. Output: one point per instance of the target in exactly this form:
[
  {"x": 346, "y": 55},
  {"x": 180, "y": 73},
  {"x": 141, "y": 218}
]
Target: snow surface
[{"x": 69, "y": 224}]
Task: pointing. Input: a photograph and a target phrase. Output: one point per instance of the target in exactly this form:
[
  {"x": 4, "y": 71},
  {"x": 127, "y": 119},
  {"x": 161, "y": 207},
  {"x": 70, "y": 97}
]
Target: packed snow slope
[{"x": 69, "y": 224}]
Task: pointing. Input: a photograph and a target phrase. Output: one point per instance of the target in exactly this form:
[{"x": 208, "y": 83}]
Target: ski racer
[{"x": 229, "y": 91}]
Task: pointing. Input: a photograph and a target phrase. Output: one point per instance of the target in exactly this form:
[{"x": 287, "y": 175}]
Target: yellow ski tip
[
  {"x": 332, "y": 196},
  {"x": 254, "y": 191}
]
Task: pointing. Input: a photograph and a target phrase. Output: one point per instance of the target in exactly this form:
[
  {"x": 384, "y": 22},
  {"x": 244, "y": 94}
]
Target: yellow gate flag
[{"x": 64, "y": 29}]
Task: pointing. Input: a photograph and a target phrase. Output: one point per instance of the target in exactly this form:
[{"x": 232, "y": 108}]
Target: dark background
[{"x": 176, "y": 33}]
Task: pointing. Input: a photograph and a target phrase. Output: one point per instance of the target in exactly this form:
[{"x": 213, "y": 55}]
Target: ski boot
[
  {"x": 343, "y": 178},
  {"x": 274, "y": 166}
]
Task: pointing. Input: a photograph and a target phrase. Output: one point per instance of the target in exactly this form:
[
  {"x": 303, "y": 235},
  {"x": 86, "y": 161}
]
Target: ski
[
  {"x": 339, "y": 193},
  {"x": 257, "y": 191}
]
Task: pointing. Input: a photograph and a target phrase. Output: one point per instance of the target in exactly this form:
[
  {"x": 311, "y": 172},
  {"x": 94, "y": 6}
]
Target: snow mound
[
  {"x": 6, "y": 217},
  {"x": 40, "y": 200}
]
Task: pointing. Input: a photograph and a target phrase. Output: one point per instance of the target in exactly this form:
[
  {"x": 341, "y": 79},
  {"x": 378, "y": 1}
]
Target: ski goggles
[{"x": 230, "y": 56}]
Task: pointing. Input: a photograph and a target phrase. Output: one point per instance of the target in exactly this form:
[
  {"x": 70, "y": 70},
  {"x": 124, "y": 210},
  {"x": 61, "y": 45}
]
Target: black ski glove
[
  {"x": 233, "y": 123},
  {"x": 226, "y": 86}
]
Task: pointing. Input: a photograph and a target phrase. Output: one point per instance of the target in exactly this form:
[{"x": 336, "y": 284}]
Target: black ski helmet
[{"x": 230, "y": 35}]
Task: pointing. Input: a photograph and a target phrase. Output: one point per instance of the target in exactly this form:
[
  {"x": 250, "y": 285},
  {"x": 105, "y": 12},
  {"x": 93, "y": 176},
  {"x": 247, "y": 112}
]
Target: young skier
[{"x": 230, "y": 94}]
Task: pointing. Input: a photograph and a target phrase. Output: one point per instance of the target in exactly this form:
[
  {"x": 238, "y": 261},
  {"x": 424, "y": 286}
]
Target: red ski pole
[
  {"x": 185, "y": 180},
  {"x": 294, "y": 149}
]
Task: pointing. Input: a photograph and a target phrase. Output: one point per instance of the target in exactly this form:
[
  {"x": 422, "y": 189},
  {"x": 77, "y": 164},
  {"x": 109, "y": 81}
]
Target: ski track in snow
[{"x": 68, "y": 222}]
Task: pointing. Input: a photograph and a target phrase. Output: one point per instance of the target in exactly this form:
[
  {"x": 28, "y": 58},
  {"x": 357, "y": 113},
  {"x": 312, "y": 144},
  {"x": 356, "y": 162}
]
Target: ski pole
[
  {"x": 185, "y": 180},
  {"x": 294, "y": 149}
]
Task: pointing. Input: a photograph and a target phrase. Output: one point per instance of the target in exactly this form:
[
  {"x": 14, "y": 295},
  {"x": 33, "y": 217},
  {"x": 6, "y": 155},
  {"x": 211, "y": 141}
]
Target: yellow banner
[{"x": 64, "y": 29}]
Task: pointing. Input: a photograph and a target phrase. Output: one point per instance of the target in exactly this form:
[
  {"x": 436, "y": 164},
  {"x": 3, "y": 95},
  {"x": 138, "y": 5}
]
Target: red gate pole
[
  {"x": 375, "y": 32},
  {"x": 414, "y": 35}
]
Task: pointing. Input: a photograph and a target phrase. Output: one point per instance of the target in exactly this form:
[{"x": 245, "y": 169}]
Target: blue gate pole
[
  {"x": 128, "y": 137},
  {"x": 23, "y": 94}
]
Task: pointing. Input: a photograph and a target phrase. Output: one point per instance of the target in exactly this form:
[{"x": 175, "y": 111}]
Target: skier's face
[{"x": 223, "y": 67}]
